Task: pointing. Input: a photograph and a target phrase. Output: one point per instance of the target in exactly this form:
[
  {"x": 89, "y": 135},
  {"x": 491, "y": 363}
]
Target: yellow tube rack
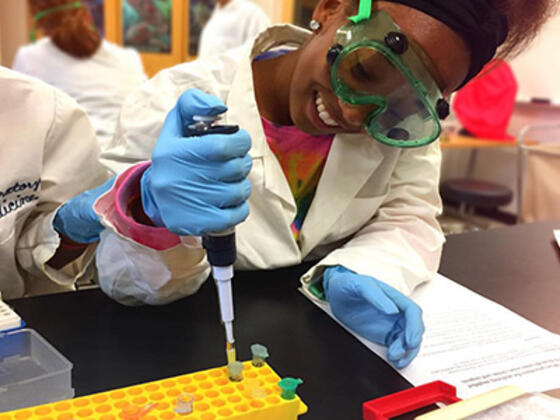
[{"x": 215, "y": 398}]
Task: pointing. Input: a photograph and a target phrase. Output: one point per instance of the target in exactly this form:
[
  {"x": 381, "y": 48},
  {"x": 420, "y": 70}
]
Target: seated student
[
  {"x": 49, "y": 155},
  {"x": 325, "y": 111},
  {"x": 73, "y": 57}
]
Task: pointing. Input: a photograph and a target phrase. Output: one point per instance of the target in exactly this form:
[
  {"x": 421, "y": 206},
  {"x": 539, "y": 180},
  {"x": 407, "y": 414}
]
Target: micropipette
[{"x": 220, "y": 247}]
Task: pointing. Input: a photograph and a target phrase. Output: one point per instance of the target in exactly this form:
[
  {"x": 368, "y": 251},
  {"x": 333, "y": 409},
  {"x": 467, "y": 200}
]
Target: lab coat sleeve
[
  {"x": 140, "y": 121},
  {"x": 132, "y": 270},
  {"x": 402, "y": 243},
  {"x": 70, "y": 166},
  {"x": 133, "y": 274},
  {"x": 144, "y": 264}
]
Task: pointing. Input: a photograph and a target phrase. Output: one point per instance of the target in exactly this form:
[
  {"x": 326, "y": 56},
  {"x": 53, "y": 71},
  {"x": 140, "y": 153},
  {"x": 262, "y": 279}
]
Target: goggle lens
[
  {"x": 375, "y": 68},
  {"x": 368, "y": 72}
]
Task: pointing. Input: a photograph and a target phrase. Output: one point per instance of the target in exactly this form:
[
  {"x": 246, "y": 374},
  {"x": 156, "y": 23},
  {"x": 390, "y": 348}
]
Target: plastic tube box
[{"x": 32, "y": 371}]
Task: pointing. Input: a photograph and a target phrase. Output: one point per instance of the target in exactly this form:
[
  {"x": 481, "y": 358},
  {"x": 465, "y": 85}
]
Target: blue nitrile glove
[
  {"x": 197, "y": 185},
  {"x": 76, "y": 218},
  {"x": 377, "y": 312}
]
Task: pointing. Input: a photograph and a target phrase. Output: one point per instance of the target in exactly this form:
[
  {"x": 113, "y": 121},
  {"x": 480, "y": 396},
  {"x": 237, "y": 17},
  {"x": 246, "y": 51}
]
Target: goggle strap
[
  {"x": 46, "y": 12},
  {"x": 364, "y": 12}
]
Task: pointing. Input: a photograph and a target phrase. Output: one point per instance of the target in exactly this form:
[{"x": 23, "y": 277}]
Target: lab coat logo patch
[{"x": 18, "y": 195}]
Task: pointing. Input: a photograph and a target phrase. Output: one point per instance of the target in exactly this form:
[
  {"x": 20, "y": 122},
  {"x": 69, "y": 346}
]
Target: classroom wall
[
  {"x": 538, "y": 68},
  {"x": 500, "y": 165},
  {"x": 14, "y": 31}
]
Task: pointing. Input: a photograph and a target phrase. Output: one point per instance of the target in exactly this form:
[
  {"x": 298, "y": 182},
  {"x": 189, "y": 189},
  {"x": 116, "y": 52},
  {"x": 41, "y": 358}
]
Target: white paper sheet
[{"x": 476, "y": 344}]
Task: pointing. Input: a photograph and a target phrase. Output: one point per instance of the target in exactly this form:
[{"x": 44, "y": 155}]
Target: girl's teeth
[
  {"x": 327, "y": 119},
  {"x": 323, "y": 113}
]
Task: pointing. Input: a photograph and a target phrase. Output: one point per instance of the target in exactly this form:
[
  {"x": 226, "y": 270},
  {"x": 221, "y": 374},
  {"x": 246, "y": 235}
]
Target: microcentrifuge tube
[
  {"x": 289, "y": 386},
  {"x": 260, "y": 353},
  {"x": 184, "y": 404},
  {"x": 253, "y": 389},
  {"x": 235, "y": 371}
]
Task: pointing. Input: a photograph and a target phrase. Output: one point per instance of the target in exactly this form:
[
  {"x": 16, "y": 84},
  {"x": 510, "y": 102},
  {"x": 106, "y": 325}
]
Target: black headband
[{"x": 482, "y": 26}]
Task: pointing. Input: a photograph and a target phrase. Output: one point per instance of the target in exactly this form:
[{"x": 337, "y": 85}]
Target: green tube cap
[{"x": 289, "y": 386}]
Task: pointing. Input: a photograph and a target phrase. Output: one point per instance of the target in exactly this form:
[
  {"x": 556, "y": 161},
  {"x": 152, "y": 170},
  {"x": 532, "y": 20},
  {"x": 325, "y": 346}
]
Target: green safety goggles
[{"x": 375, "y": 66}]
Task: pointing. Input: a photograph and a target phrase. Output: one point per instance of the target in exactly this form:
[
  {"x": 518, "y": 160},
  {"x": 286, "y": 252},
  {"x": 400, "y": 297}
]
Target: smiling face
[{"x": 314, "y": 107}]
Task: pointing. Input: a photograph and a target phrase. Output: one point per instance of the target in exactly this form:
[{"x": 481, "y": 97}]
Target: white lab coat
[
  {"x": 99, "y": 83},
  {"x": 374, "y": 211},
  {"x": 48, "y": 154},
  {"x": 231, "y": 26}
]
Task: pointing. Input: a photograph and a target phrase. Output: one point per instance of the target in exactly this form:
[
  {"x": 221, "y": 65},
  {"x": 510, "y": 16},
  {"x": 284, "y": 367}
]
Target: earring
[{"x": 314, "y": 25}]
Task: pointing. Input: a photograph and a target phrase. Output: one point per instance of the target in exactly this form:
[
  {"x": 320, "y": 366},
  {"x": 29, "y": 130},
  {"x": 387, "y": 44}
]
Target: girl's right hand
[{"x": 197, "y": 185}]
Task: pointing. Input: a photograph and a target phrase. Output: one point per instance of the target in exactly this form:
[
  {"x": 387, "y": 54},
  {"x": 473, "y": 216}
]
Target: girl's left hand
[{"x": 377, "y": 312}]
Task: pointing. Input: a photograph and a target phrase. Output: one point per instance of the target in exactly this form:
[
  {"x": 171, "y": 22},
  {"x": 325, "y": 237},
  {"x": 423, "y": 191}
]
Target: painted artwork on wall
[
  {"x": 199, "y": 13},
  {"x": 147, "y": 25}
]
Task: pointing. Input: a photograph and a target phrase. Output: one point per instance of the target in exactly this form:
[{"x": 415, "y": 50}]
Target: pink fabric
[
  {"x": 302, "y": 158},
  {"x": 112, "y": 208}
]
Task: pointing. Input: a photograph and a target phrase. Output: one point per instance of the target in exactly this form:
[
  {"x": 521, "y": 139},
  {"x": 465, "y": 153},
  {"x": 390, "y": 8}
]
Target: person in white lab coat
[
  {"x": 322, "y": 189},
  {"x": 232, "y": 23},
  {"x": 73, "y": 57},
  {"x": 49, "y": 155}
]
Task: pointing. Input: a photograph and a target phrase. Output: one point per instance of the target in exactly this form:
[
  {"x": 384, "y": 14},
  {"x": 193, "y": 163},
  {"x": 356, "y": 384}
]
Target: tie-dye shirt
[{"x": 302, "y": 158}]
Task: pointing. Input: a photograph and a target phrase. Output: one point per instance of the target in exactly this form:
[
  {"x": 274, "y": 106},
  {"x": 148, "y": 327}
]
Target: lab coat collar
[
  {"x": 241, "y": 101},
  {"x": 243, "y": 108},
  {"x": 351, "y": 162}
]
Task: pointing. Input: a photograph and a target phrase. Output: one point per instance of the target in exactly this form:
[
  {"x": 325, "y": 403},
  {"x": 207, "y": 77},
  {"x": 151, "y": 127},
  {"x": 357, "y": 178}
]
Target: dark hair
[{"x": 71, "y": 29}]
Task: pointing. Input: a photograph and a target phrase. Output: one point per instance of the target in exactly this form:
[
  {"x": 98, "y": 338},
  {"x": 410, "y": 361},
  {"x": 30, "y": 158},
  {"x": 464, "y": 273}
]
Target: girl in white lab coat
[
  {"x": 49, "y": 155},
  {"x": 73, "y": 57},
  {"x": 324, "y": 111},
  {"x": 232, "y": 23}
]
